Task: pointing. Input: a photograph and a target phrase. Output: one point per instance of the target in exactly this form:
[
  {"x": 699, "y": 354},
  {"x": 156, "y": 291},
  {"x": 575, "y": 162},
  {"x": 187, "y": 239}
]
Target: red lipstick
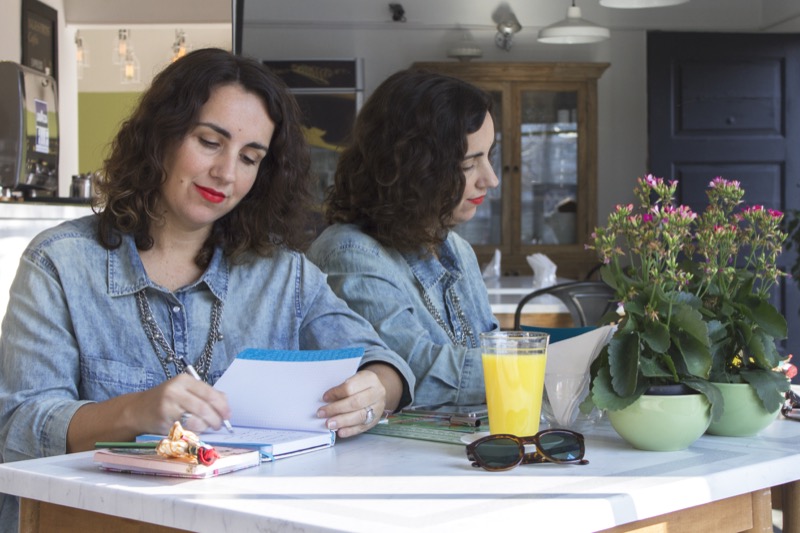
[
  {"x": 210, "y": 194},
  {"x": 477, "y": 201}
]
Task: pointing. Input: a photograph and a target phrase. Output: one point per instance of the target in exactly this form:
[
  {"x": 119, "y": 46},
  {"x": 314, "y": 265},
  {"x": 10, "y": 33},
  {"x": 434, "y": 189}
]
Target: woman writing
[
  {"x": 419, "y": 164},
  {"x": 193, "y": 256}
]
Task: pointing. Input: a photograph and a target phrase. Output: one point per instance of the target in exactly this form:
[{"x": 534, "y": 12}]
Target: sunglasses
[
  {"x": 791, "y": 408},
  {"x": 504, "y": 452}
]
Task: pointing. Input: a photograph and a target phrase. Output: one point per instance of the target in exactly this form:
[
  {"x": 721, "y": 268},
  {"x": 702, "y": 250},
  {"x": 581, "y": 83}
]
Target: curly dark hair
[
  {"x": 400, "y": 177},
  {"x": 274, "y": 211}
]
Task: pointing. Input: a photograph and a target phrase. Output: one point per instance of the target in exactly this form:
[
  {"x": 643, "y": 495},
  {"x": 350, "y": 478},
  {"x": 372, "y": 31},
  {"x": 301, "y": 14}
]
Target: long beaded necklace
[
  {"x": 159, "y": 342},
  {"x": 467, "y": 335}
]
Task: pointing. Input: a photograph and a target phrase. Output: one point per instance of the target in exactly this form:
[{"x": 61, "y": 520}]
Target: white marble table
[{"x": 372, "y": 483}]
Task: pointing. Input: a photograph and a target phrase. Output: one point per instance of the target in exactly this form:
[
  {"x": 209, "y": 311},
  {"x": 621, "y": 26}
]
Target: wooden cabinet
[{"x": 546, "y": 159}]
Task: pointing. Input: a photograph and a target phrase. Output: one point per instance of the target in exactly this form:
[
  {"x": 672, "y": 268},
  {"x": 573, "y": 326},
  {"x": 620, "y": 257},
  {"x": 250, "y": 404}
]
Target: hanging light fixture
[
  {"x": 465, "y": 49},
  {"x": 179, "y": 47},
  {"x": 81, "y": 53},
  {"x": 130, "y": 70},
  {"x": 573, "y": 30},
  {"x": 637, "y": 4},
  {"x": 120, "y": 50}
]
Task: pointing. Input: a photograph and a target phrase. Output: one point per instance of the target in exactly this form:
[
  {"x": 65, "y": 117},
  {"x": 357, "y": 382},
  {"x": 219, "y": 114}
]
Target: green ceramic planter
[
  {"x": 663, "y": 423},
  {"x": 744, "y": 415}
]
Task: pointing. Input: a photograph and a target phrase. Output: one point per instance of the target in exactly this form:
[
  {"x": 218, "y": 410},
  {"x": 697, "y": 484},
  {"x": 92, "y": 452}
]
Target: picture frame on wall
[
  {"x": 40, "y": 37},
  {"x": 330, "y": 93}
]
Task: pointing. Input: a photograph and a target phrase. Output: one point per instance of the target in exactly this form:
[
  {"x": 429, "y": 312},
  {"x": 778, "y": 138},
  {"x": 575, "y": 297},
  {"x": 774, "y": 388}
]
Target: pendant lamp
[
  {"x": 573, "y": 30},
  {"x": 637, "y": 4}
]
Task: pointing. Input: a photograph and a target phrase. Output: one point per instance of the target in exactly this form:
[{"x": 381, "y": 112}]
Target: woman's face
[
  {"x": 478, "y": 173},
  {"x": 215, "y": 165}
]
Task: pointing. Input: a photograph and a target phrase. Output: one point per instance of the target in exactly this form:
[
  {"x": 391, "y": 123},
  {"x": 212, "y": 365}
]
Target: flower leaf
[
  {"x": 768, "y": 386},
  {"x": 761, "y": 347},
  {"x": 656, "y": 335},
  {"x": 623, "y": 361},
  {"x": 604, "y": 397},
  {"x": 711, "y": 392},
  {"x": 693, "y": 355},
  {"x": 768, "y": 318}
]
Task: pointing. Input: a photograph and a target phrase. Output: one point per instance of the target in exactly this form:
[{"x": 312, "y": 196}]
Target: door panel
[{"x": 727, "y": 105}]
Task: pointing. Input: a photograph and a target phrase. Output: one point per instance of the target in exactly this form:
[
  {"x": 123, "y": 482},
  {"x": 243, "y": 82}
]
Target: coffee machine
[{"x": 28, "y": 132}]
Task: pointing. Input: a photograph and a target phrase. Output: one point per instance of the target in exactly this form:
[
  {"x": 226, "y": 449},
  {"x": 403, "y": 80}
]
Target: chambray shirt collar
[
  {"x": 126, "y": 274},
  {"x": 430, "y": 270}
]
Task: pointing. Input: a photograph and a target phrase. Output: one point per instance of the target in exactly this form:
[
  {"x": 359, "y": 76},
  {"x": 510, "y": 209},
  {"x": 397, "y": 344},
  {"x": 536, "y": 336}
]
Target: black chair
[{"x": 587, "y": 301}]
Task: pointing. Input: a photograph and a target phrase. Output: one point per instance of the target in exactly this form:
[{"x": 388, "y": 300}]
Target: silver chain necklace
[
  {"x": 159, "y": 342},
  {"x": 466, "y": 331}
]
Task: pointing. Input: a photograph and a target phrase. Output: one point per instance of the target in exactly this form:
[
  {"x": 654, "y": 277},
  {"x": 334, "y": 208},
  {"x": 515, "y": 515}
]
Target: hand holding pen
[{"x": 192, "y": 372}]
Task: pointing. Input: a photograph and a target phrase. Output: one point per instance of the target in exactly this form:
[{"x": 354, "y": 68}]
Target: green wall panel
[{"x": 99, "y": 118}]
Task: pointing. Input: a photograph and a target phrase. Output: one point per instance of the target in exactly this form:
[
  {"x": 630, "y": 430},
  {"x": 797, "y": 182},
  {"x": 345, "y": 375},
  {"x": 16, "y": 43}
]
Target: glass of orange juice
[{"x": 513, "y": 370}]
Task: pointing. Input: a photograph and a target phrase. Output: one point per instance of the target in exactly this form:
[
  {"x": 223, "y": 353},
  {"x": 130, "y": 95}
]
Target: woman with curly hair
[
  {"x": 418, "y": 165},
  {"x": 192, "y": 256}
]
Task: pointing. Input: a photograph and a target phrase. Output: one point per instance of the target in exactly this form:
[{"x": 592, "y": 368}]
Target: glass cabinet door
[
  {"x": 546, "y": 158},
  {"x": 548, "y": 167}
]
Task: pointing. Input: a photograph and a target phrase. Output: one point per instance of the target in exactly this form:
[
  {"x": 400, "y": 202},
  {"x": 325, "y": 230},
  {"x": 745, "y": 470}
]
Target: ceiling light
[
  {"x": 573, "y": 30},
  {"x": 465, "y": 49},
  {"x": 636, "y": 4},
  {"x": 120, "y": 51},
  {"x": 179, "y": 48}
]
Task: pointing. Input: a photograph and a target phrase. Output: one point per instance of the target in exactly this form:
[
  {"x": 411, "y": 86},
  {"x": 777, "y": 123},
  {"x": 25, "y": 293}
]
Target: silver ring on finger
[
  {"x": 185, "y": 416},
  {"x": 370, "y": 416}
]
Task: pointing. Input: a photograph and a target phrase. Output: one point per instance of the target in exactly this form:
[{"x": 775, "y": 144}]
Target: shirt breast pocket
[{"x": 102, "y": 378}]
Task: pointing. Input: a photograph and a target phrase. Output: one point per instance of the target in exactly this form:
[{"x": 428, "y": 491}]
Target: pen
[{"x": 192, "y": 372}]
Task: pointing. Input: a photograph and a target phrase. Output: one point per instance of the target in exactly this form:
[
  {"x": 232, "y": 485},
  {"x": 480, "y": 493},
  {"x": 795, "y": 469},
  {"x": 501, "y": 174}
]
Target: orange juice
[{"x": 514, "y": 388}]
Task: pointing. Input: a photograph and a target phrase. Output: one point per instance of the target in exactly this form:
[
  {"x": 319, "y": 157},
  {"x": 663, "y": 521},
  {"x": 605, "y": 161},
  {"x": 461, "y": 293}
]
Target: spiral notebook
[{"x": 274, "y": 396}]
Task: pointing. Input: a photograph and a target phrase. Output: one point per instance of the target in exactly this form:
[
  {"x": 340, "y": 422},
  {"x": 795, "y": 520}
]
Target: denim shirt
[
  {"x": 410, "y": 300},
  {"x": 73, "y": 334}
]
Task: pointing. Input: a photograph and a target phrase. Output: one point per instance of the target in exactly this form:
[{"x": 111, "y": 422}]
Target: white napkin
[
  {"x": 566, "y": 378},
  {"x": 544, "y": 271},
  {"x": 492, "y": 270}
]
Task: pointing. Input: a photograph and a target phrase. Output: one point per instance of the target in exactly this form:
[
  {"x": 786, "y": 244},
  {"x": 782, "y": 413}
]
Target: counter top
[
  {"x": 43, "y": 211},
  {"x": 377, "y": 483}
]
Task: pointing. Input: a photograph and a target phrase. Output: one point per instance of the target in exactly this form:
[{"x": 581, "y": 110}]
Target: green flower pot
[
  {"x": 744, "y": 414},
  {"x": 663, "y": 423}
]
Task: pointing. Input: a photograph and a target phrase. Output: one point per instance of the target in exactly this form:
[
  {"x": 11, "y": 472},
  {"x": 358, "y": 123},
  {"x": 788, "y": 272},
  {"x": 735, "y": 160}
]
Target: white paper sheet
[{"x": 282, "y": 394}]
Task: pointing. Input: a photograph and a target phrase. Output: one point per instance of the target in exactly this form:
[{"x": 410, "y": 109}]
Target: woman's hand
[
  {"x": 151, "y": 411},
  {"x": 377, "y": 386},
  {"x": 196, "y": 404}
]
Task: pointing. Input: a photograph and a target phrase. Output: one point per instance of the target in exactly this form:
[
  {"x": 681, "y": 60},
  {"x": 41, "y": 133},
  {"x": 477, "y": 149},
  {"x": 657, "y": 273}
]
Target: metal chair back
[{"x": 587, "y": 301}]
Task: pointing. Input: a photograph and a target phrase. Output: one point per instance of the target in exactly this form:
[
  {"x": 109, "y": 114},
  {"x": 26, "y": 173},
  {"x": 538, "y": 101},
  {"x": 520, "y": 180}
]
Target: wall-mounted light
[
  {"x": 638, "y": 4},
  {"x": 573, "y": 30},
  {"x": 398, "y": 13},
  {"x": 507, "y": 26},
  {"x": 120, "y": 50},
  {"x": 179, "y": 47}
]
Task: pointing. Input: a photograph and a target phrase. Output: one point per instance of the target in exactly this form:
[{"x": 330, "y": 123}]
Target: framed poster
[
  {"x": 40, "y": 37},
  {"x": 329, "y": 93}
]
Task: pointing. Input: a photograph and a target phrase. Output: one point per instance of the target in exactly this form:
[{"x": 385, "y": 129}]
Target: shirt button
[{"x": 176, "y": 309}]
